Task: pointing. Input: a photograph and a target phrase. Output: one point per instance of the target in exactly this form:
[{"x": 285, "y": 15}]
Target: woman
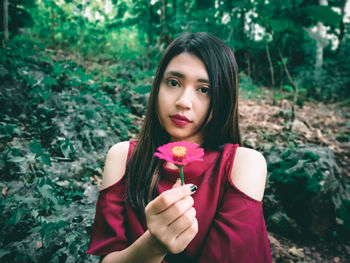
[{"x": 143, "y": 214}]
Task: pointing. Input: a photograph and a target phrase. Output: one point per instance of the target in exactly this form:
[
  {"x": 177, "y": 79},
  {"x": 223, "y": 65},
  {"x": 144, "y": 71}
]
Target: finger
[
  {"x": 177, "y": 183},
  {"x": 183, "y": 222},
  {"x": 185, "y": 237},
  {"x": 175, "y": 211},
  {"x": 169, "y": 197}
]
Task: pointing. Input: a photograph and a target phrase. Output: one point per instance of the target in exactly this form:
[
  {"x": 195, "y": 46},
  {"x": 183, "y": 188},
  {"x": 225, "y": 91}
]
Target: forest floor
[{"x": 262, "y": 126}]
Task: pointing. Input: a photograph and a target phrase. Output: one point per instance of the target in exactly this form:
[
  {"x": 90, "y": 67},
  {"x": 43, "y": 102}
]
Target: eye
[
  {"x": 173, "y": 83},
  {"x": 204, "y": 90}
]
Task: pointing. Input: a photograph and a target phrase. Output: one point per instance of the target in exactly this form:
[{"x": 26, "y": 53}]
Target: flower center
[{"x": 179, "y": 153}]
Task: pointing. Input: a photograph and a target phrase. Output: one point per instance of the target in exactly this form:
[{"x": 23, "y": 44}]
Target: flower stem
[{"x": 181, "y": 175}]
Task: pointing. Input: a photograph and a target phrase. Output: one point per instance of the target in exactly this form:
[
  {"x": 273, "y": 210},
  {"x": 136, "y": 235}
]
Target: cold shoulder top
[{"x": 231, "y": 226}]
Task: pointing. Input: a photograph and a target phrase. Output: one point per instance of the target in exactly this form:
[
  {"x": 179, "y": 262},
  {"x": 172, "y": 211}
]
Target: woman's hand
[{"x": 171, "y": 218}]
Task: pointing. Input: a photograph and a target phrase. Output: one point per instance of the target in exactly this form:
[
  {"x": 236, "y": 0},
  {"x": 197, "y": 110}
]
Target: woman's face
[{"x": 183, "y": 98}]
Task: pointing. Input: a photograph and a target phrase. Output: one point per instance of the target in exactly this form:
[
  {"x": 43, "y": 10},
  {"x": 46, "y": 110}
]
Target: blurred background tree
[
  {"x": 278, "y": 44},
  {"x": 294, "y": 42}
]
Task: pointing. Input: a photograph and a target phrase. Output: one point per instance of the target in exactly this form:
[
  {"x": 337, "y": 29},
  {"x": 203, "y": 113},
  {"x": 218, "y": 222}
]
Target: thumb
[{"x": 177, "y": 183}]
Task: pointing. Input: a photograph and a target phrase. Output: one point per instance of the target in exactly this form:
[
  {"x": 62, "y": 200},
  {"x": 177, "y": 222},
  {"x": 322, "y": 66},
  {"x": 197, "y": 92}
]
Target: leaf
[
  {"x": 45, "y": 158},
  {"x": 286, "y": 154},
  {"x": 4, "y": 191},
  {"x": 281, "y": 24},
  {"x": 36, "y": 148},
  {"x": 310, "y": 156},
  {"x": 288, "y": 88},
  {"x": 66, "y": 147},
  {"x": 49, "y": 81},
  {"x": 324, "y": 14},
  {"x": 57, "y": 69},
  {"x": 298, "y": 252},
  {"x": 17, "y": 159},
  {"x": 45, "y": 95},
  {"x": 38, "y": 244},
  {"x": 65, "y": 150},
  {"x": 143, "y": 89},
  {"x": 17, "y": 215},
  {"x": 89, "y": 114},
  {"x": 4, "y": 252},
  {"x": 46, "y": 191}
]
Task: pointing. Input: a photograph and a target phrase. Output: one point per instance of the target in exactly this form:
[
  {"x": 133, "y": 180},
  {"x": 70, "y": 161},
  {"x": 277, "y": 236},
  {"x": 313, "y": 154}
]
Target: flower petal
[{"x": 193, "y": 153}]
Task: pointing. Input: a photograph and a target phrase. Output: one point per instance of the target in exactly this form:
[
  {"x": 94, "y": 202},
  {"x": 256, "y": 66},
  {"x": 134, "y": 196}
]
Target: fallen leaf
[
  {"x": 336, "y": 259},
  {"x": 38, "y": 245},
  {"x": 298, "y": 252},
  {"x": 4, "y": 190},
  {"x": 96, "y": 180}
]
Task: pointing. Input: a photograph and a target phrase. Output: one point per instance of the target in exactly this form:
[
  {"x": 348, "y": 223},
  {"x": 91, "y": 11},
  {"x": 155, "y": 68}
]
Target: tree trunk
[
  {"x": 6, "y": 25},
  {"x": 53, "y": 39},
  {"x": 272, "y": 72},
  {"x": 249, "y": 68},
  {"x": 295, "y": 90},
  {"x": 174, "y": 8},
  {"x": 342, "y": 24},
  {"x": 187, "y": 12},
  {"x": 321, "y": 29},
  {"x": 82, "y": 32},
  {"x": 164, "y": 35},
  {"x": 149, "y": 39}
]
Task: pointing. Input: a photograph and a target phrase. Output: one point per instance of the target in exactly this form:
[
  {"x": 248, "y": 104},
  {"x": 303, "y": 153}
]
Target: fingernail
[{"x": 193, "y": 188}]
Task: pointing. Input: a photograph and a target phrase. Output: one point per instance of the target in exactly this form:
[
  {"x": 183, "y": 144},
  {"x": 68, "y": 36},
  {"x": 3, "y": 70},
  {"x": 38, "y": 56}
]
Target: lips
[{"x": 179, "y": 120}]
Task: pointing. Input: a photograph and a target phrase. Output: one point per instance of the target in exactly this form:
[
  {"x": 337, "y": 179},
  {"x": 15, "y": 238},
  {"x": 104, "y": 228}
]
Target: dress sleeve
[
  {"x": 109, "y": 231},
  {"x": 238, "y": 232}
]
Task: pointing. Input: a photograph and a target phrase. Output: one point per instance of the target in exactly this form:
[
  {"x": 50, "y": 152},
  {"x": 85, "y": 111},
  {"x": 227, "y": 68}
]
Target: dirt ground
[{"x": 263, "y": 125}]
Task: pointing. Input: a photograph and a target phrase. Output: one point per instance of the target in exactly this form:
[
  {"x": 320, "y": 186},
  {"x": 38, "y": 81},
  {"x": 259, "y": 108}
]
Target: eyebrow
[{"x": 182, "y": 76}]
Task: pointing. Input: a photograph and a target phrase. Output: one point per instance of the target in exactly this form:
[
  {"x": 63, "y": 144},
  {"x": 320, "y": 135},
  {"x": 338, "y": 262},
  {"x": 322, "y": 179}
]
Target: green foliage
[
  {"x": 324, "y": 14},
  {"x": 58, "y": 122},
  {"x": 67, "y": 148},
  {"x": 37, "y": 149}
]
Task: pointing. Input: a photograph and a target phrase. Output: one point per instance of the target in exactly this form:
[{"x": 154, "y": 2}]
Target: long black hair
[{"x": 222, "y": 127}]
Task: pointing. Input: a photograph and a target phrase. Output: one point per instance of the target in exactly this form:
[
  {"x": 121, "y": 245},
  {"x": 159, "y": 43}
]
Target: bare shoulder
[
  {"x": 115, "y": 164},
  {"x": 249, "y": 172}
]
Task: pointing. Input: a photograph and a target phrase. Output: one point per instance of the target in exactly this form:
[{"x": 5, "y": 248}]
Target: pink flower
[{"x": 180, "y": 154}]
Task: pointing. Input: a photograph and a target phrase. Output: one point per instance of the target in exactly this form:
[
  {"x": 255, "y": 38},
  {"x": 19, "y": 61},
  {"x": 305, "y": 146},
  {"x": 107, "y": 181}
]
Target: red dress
[{"x": 231, "y": 226}]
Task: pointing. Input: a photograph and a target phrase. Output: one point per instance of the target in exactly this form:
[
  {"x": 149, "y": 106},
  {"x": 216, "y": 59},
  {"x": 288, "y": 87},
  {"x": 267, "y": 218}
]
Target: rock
[
  {"x": 91, "y": 193},
  {"x": 305, "y": 192}
]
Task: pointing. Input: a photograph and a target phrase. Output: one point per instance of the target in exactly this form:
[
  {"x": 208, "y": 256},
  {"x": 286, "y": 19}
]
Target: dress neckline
[{"x": 193, "y": 169}]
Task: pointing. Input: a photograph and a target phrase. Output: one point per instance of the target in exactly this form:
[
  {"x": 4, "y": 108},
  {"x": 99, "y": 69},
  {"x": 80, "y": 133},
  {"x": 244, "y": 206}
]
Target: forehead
[{"x": 187, "y": 64}]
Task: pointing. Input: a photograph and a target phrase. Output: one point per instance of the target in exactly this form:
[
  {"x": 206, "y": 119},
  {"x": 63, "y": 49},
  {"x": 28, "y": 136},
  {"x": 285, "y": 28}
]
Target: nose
[{"x": 184, "y": 101}]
